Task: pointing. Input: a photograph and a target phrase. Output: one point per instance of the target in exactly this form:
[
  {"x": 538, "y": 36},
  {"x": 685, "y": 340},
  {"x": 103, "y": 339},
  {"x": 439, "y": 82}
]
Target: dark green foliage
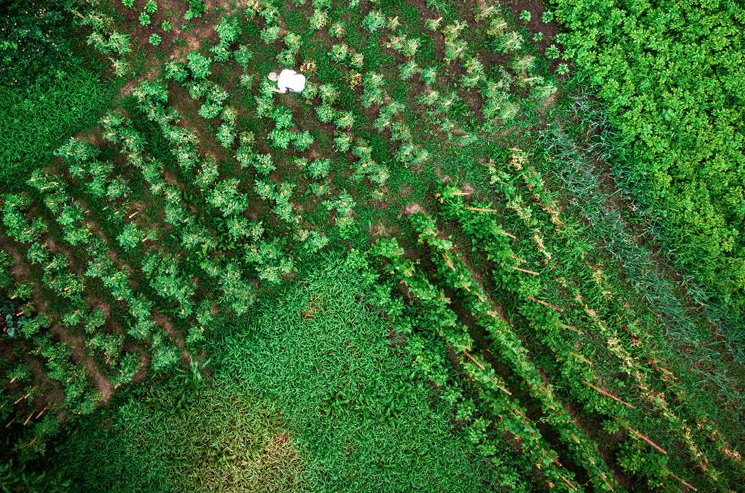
[
  {"x": 21, "y": 478},
  {"x": 672, "y": 79},
  {"x": 196, "y": 9},
  {"x": 187, "y": 228},
  {"x": 46, "y": 92},
  {"x": 34, "y": 41}
]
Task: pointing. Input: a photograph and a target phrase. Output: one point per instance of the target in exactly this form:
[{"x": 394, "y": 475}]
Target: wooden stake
[
  {"x": 42, "y": 412},
  {"x": 609, "y": 395},
  {"x": 448, "y": 262},
  {"x": 646, "y": 439},
  {"x": 582, "y": 358},
  {"x": 465, "y": 286},
  {"x": 480, "y": 209},
  {"x": 496, "y": 384},
  {"x": 22, "y": 398},
  {"x": 518, "y": 259},
  {"x": 505, "y": 233},
  {"x": 474, "y": 360},
  {"x": 545, "y": 304},
  {"x": 568, "y": 483},
  {"x": 526, "y": 271},
  {"x": 571, "y": 328},
  {"x": 682, "y": 481},
  {"x": 28, "y": 419},
  {"x": 133, "y": 214}
]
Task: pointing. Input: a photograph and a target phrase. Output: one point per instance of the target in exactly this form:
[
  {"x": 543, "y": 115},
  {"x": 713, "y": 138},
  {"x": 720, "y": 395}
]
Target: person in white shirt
[{"x": 288, "y": 81}]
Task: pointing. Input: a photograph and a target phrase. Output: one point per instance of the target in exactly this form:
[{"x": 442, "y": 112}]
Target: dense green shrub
[
  {"x": 35, "y": 40},
  {"x": 672, "y": 77}
]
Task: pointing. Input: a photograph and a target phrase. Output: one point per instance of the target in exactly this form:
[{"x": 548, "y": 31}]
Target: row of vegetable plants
[
  {"x": 508, "y": 347},
  {"x": 497, "y": 408},
  {"x": 581, "y": 377},
  {"x": 599, "y": 303}
]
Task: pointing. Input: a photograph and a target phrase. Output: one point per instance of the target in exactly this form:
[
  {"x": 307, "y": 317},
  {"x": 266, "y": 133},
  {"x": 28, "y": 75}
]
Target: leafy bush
[
  {"x": 319, "y": 168},
  {"x": 199, "y": 65},
  {"x": 319, "y": 19},
  {"x": 269, "y": 34},
  {"x": 196, "y": 9},
  {"x": 682, "y": 120},
  {"x": 228, "y": 30},
  {"x": 243, "y": 56},
  {"x": 176, "y": 71},
  {"x": 373, "y": 21}
]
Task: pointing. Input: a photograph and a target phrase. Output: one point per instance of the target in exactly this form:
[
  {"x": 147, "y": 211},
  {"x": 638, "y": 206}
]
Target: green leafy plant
[
  {"x": 373, "y": 21},
  {"x": 552, "y": 52},
  {"x": 269, "y": 34},
  {"x": 199, "y": 65},
  {"x": 196, "y": 9}
]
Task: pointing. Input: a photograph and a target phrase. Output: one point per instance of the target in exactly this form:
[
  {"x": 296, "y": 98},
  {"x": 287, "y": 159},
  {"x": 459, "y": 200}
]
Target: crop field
[{"x": 488, "y": 247}]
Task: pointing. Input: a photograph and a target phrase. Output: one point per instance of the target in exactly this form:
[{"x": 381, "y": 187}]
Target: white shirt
[{"x": 289, "y": 79}]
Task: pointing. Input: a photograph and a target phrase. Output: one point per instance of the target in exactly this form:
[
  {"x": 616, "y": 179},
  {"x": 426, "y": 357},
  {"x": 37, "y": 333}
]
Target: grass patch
[
  {"x": 35, "y": 124},
  {"x": 324, "y": 356},
  {"x": 216, "y": 437}
]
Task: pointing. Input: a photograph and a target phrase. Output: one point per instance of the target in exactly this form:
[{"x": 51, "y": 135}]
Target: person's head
[{"x": 273, "y": 76}]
